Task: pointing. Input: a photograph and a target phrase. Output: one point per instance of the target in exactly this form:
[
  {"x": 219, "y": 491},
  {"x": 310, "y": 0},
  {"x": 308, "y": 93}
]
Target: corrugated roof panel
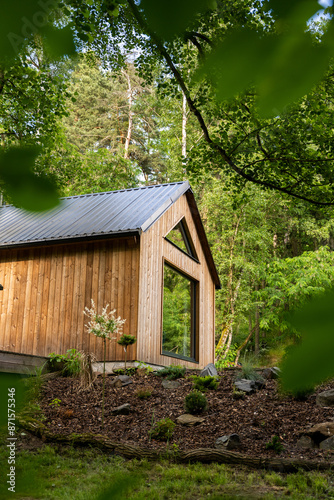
[{"x": 130, "y": 210}]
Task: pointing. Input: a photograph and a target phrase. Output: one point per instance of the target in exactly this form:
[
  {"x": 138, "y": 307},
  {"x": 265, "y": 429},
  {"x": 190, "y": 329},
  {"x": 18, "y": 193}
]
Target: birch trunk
[{"x": 130, "y": 122}]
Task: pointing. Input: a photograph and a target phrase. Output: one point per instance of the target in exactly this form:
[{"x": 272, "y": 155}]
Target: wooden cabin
[{"x": 143, "y": 251}]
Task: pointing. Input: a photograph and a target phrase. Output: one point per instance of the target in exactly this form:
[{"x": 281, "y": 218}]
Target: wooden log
[{"x": 203, "y": 455}]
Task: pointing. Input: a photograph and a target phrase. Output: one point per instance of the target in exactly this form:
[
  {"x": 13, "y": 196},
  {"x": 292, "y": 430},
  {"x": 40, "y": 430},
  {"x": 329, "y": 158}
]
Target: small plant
[
  {"x": 205, "y": 383},
  {"x": 105, "y": 326},
  {"x": 172, "y": 372},
  {"x": 69, "y": 364},
  {"x": 162, "y": 430},
  {"x": 248, "y": 372},
  {"x": 125, "y": 341},
  {"x": 275, "y": 445},
  {"x": 144, "y": 393},
  {"x": 55, "y": 402},
  {"x": 143, "y": 366},
  {"x": 195, "y": 402},
  {"x": 238, "y": 394}
]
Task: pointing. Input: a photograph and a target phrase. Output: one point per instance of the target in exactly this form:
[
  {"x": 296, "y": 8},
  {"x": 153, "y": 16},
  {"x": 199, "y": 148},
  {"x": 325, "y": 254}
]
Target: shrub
[
  {"x": 69, "y": 364},
  {"x": 172, "y": 372},
  {"x": 275, "y": 445},
  {"x": 195, "y": 402},
  {"x": 125, "y": 341},
  {"x": 144, "y": 393},
  {"x": 162, "y": 430},
  {"x": 205, "y": 383}
]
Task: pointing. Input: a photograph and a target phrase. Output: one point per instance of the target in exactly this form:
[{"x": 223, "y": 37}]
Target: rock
[
  {"x": 229, "y": 442},
  {"x": 189, "y": 420},
  {"x": 259, "y": 383},
  {"x": 322, "y": 431},
  {"x": 121, "y": 381},
  {"x": 209, "y": 370},
  {"x": 306, "y": 442},
  {"x": 327, "y": 444},
  {"x": 245, "y": 385},
  {"x": 170, "y": 384},
  {"x": 271, "y": 373},
  {"x": 325, "y": 398},
  {"x": 122, "y": 410}
]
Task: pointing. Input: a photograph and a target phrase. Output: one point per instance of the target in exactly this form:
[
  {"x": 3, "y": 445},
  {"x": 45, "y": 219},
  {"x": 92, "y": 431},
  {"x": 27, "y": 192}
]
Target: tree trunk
[
  {"x": 184, "y": 127},
  {"x": 257, "y": 328},
  {"x": 130, "y": 123}
]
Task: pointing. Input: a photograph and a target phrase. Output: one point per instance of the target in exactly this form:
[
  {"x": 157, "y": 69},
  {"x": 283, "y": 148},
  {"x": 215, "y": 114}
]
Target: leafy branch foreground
[{"x": 203, "y": 455}]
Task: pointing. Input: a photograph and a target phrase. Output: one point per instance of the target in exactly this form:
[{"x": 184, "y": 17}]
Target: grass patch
[{"x": 55, "y": 473}]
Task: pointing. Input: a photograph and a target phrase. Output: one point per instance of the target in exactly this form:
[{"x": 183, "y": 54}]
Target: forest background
[{"x": 236, "y": 96}]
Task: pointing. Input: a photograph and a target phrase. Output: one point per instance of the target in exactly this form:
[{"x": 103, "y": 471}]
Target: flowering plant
[{"x": 105, "y": 326}]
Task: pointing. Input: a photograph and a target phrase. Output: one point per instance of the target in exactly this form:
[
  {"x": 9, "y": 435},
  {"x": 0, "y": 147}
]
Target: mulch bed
[{"x": 256, "y": 418}]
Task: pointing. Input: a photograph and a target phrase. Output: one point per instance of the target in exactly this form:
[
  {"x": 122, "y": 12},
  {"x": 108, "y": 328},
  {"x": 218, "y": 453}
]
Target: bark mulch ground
[{"x": 256, "y": 418}]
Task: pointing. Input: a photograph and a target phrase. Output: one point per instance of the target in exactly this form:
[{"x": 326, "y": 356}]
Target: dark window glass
[
  {"x": 178, "y": 326},
  {"x": 180, "y": 237}
]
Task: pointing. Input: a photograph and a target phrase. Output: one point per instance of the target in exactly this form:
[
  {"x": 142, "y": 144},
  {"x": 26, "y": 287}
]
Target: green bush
[
  {"x": 143, "y": 393},
  {"x": 162, "y": 430},
  {"x": 172, "y": 372},
  {"x": 275, "y": 445},
  {"x": 205, "y": 383},
  {"x": 195, "y": 402},
  {"x": 69, "y": 364}
]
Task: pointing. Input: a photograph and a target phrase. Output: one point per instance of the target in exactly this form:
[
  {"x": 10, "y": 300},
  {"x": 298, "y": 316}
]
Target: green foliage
[
  {"x": 172, "y": 372},
  {"x": 55, "y": 402},
  {"x": 69, "y": 364},
  {"x": 126, "y": 340},
  {"x": 227, "y": 361},
  {"x": 143, "y": 393},
  {"x": 162, "y": 430},
  {"x": 275, "y": 445},
  {"x": 314, "y": 321},
  {"x": 203, "y": 384},
  {"x": 195, "y": 402},
  {"x": 247, "y": 371}
]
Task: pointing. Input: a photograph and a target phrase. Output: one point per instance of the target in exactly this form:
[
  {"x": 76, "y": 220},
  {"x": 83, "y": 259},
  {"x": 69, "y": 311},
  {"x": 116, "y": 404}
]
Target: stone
[
  {"x": 170, "y": 384},
  {"x": 189, "y": 420},
  {"x": 209, "y": 370},
  {"x": 306, "y": 442},
  {"x": 121, "y": 381},
  {"x": 327, "y": 444},
  {"x": 271, "y": 373},
  {"x": 320, "y": 432},
  {"x": 122, "y": 410},
  {"x": 245, "y": 385},
  {"x": 229, "y": 442},
  {"x": 325, "y": 398}
]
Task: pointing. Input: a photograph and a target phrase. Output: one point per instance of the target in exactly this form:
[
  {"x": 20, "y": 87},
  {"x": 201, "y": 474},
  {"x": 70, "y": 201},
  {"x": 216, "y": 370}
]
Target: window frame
[
  {"x": 194, "y": 339},
  {"x": 191, "y": 251}
]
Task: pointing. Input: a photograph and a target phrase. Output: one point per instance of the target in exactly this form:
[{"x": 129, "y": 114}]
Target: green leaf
[
  {"x": 19, "y": 22},
  {"x": 117, "y": 491},
  {"x": 278, "y": 66},
  {"x": 311, "y": 362},
  {"x": 172, "y": 17},
  {"x": 27, "y": 190},
  {"x": 58, "y": 42}
]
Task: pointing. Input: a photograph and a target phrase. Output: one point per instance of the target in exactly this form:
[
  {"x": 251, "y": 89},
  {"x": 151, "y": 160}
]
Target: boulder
[
  {"x": 170, "y": 384},
  {"x": 209, "y": 370},
  {"x": 189, "y": 420},
  {"x": 327, "y": 444},
  {"x": 245, "y": 385},
  {"x": 320, "y": 432},
  {"x": 271, "y": 373},
  {"x": 121, "y": 381},
  {"x": 325, "y": 398},
  {"x": 122, "y": 410},
  {"x": 229, "y": 442},
  {"x": 306, "y": 442}
]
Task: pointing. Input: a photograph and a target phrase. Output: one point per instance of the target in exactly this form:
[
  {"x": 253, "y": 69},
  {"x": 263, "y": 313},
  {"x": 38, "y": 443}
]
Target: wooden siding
[
  {"x": 47, "y": 288},
  {"x": 155, "y": 249}
]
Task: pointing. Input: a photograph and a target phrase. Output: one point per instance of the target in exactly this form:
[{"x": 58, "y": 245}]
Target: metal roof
[{"x": 127, "y": 211}]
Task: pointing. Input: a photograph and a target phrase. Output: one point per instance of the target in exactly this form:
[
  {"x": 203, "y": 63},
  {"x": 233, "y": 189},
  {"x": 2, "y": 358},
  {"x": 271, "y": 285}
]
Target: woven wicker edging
[{"x": 203, "y": 455}]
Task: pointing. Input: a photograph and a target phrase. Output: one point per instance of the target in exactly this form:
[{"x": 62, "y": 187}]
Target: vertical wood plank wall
[
  {"x": 47, "y": 288},
  {"x": 154, "y": 248}
]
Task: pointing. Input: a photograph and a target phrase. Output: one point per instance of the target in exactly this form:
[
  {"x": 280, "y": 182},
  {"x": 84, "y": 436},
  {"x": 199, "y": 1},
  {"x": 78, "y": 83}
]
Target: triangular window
[{"x": 180, "y": 237}]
